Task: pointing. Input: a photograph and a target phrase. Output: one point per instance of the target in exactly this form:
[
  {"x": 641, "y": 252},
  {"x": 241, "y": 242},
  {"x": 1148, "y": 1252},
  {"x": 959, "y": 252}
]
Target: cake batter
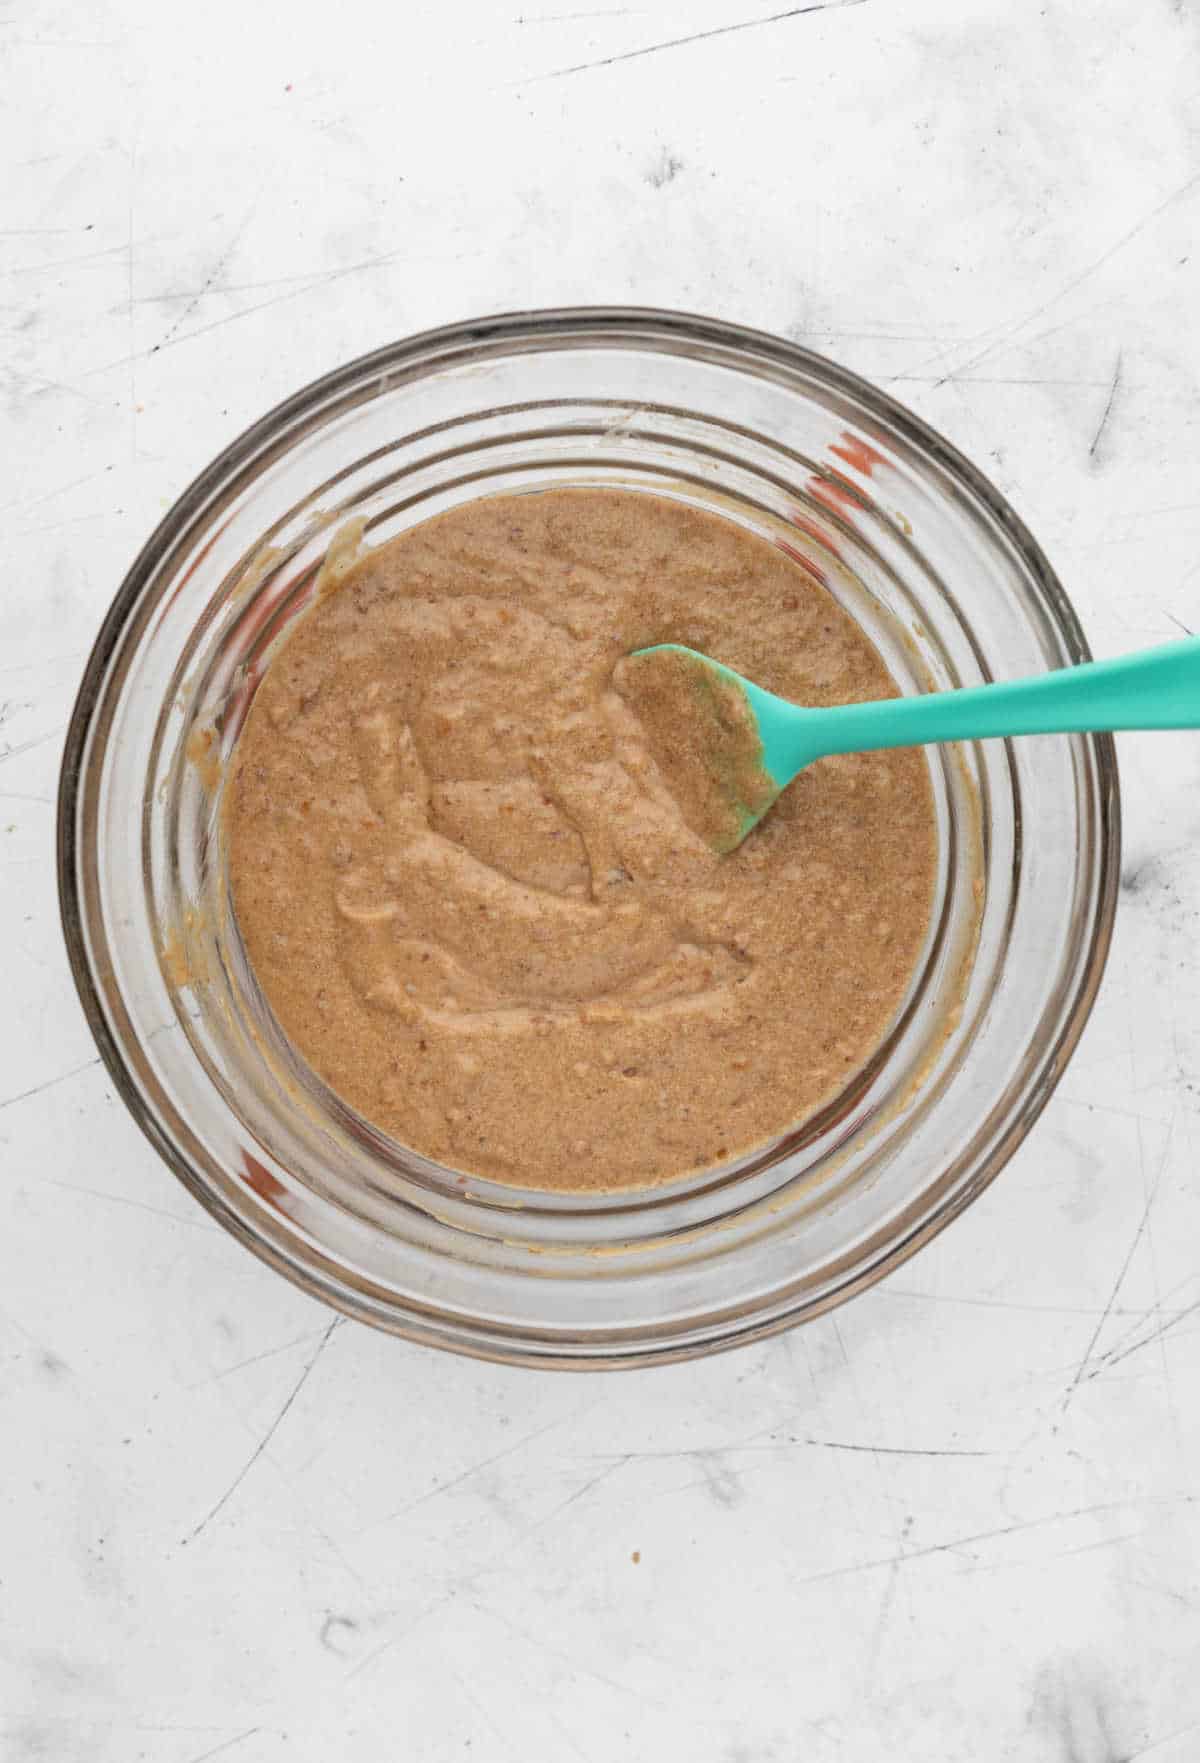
[{"x": 475, "y": 905}]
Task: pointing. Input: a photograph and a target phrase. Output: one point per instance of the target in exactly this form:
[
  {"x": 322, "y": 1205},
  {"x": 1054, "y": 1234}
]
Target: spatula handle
[{"x": 1159, "y": 688}]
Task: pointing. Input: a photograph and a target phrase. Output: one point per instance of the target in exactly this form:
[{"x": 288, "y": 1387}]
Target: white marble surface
[{"x": 957, "y": 1520}]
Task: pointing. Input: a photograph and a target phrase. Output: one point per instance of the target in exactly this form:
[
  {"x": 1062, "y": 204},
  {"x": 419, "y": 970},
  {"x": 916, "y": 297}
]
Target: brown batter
[{"x": 470, "y": 897}]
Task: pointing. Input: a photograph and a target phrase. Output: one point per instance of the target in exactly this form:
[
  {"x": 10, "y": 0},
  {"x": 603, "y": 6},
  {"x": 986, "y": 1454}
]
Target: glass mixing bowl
[{"x": 901, "y": 529}]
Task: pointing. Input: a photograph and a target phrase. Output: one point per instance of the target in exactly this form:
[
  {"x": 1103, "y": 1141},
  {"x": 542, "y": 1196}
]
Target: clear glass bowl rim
[{"x": 581, "y": 325}]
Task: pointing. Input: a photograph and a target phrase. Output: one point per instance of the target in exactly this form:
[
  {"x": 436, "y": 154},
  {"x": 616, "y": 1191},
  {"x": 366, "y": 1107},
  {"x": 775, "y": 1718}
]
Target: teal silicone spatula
[{"x": 1159, "y": 688}]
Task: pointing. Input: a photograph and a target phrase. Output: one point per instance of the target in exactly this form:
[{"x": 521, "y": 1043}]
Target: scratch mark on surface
[
  {"x": 55, "y": 526},
  {"x": 69, "y": 262},
  {"x": 1110, "y": 1359},
  {"x": 461, "y": 1584},
  {"x": 380, "y": 1650},
  {"x": 38, "y": 383},
  {"x": 74, "y": 484},
  {"x": 28, "y": 746},
  {"x": 228, "y": 1745},
  {"x": 50, "y": 1083},
  {"x": 724, "y": 30},
  {"x": 748, "y": 1448},
  {"x": 244, "y": 1471},
  {"x": 31, "y": 1339},
  {"x": 979, "y": 1567},
  {"x": 891, "y": 1450},
  {"x": 1077, "y": 280},
  {"x": 183, "y": 295},
  {"x": 48, "y": 661},
  {"x": 558, "y": 1726},
  {"x": 910, "y": 1295},
  {"x": 482, "y": 1711},
  {"x": 1168, "y": 1738},
  {"x": 1165, "y": 508},
  {"x": 245, "y": 312},
  {"x": 898, "y": 334},
  {"x": 1159, "y": 1311},
  {"x": 886, "y": 1602},
  {"x": 991, "y": 379},
  {"x": 301, "y": 1340},
  {"x": 1082, "y": 1368},
  {"x": 720, "y": 1481},
  {"x": 443, "y": 1487},
  {"x": 955, "y": 1544},
  {"x": 139, "y": 1205},
  {"x": 1157, "y": 1591},
  {"x": 594, "y": 1481},
  {"x": 1179, "y": 625},
  {"x": 553, "y": 1652},
  {"x": 218, "y": 266},
  {"x": 1112, "y": 393},
  {"x": 311, "y": 286}
]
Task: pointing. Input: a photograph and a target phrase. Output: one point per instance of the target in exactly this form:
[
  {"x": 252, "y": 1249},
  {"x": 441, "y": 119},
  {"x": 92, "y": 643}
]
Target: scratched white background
[{"x": 957, "y": 1521}]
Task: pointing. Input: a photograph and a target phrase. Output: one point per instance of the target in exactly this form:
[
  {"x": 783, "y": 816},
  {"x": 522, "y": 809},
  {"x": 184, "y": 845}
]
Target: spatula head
[{"x": 702, "y": 725}]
